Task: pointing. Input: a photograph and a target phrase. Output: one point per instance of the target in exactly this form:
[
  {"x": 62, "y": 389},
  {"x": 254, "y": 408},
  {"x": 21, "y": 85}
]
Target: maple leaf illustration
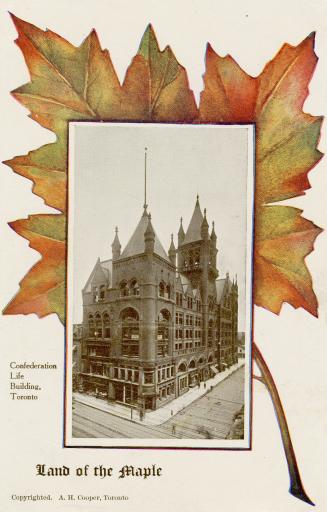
[{"x": 286, "y": 150}]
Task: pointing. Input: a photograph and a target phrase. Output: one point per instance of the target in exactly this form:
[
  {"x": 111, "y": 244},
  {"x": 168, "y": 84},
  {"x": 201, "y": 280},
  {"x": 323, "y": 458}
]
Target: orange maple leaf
[
  {"x": 69, "y": 83},
  {"x": 286, "y": 150},
  {"x": 43, "y": 288}
]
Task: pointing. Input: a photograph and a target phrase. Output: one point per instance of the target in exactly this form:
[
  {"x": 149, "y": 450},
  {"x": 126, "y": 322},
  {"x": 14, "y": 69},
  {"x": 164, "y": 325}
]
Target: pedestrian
[
  {"x": 198, "y": 384},
  {"x": 173, "y": 430},
  {"x": 171, "y": 412},
  {"x": 205, "y": 385}
]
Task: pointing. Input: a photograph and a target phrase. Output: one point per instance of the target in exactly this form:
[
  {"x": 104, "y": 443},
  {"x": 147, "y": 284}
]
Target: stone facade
[{"x": 154, "y": 324}]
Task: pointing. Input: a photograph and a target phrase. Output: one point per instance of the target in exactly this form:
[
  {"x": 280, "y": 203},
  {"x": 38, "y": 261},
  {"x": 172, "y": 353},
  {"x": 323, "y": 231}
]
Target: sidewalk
[{"x": 164, "y": 413}]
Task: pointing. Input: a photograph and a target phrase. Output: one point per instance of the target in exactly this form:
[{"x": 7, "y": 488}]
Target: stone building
[{"x": 157, "y": 324}]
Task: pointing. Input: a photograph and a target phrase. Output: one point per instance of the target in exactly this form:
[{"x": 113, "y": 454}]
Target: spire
[
  {"x": 205, "y": 227},
  {"x": 172, "y": 245},
  {"x": 145, "y": 156},
  {"x": 116, "y": 246},
  {"x": 181, "y": 233},
  {"x": 172, "y": 251},
  {"x": 213, "y": 235},
  {"x": 193, "y": 233}
]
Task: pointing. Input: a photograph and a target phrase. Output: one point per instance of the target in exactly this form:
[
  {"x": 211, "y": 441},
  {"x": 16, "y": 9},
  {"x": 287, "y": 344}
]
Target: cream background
[{"x": 294, "y": 344}]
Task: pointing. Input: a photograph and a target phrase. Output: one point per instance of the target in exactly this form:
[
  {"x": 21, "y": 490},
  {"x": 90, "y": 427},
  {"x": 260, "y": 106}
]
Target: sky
[{"x": 106, "y": 189}]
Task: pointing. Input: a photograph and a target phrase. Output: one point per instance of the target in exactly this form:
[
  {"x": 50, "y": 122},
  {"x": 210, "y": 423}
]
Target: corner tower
[
  {"x": 197, "y": 250},
  {"x": 197, "y": 261}
]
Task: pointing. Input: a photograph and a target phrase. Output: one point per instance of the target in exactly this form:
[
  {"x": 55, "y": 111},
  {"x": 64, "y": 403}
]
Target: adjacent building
[{"x": 157, "y": 324}]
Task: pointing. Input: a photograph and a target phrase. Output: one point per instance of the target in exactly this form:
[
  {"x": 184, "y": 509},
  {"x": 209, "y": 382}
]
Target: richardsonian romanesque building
[{"x": 155, "y": 325}]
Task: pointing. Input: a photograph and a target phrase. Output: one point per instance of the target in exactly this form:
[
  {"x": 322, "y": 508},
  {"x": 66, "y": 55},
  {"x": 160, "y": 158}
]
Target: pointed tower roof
[
  {"x": 149, "y": 232},
  {"x": 213, "y": 233},
  {"x": 116, "y": 242},
  {"x": 136, "y": 242},
  {"x": 181, "y": 232},
  {"x": 172, "y": 247},
  {"x": 193, "y": 233}
]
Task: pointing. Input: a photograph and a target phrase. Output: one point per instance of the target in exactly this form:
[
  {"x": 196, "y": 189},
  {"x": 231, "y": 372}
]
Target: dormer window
[
  {"x": 95, "y": 294},
  {"x": 102, "y": 292}
]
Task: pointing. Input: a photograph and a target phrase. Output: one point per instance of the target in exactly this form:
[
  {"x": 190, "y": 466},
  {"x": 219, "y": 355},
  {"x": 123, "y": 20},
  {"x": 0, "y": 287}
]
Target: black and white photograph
[{"x": 159, "y": 285}]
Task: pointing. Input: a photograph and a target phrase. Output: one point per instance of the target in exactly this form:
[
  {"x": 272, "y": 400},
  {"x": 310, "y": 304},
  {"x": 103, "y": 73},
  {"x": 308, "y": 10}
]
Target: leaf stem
[{"x": 296, "y": 486}]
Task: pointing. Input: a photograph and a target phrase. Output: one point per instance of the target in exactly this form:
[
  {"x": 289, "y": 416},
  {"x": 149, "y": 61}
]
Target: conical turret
[
  {"x": 172, "y": 251},
  {"x": 205, "y": 227},
  {"x": 213, "y": 235},
  {"x": 116, "y": 246},
  {"x": 149, "y": 237},
  {"x": 181, "y": 233}
]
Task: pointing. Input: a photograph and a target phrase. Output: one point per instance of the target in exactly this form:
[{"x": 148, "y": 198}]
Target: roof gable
[
  {"x": 101, "y": 274},
  {"x": 223, "y": 287}
]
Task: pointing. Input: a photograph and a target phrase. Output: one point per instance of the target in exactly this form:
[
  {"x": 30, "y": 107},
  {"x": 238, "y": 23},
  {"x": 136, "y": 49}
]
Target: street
[{"x": 208, "y": 417}]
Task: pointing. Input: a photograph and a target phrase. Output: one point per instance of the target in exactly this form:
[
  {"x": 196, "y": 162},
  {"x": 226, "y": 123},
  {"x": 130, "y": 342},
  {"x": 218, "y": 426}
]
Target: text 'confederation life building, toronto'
[{"x": 157, "y": 324}]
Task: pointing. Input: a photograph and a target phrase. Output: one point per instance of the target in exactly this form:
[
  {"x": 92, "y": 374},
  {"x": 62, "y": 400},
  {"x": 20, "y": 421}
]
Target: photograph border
[{"x": 252, "y": 160}]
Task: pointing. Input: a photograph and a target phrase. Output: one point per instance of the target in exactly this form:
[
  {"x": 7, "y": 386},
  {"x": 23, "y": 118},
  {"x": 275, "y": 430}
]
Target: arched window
[
  {"x": 134, "y": 287},
  {"x": 91, "y": 326},
  {"x": 161, "y": 289},
  {"x": 129, "y": 315},
  {"x": 168, "y": 291},
  {"x": 123, "y": 289},
  {"x": 210, "y": 359},
  {"x": 164, "y": 316},
  {"x": 192, "y": 364},
  {"x": 130, "y": 332},
  {"x": 98, "y": 326},
  {"x": 106, "y": 325},
  {"x": 181, "y": 368},
  {"x": 102, "y": 292}
]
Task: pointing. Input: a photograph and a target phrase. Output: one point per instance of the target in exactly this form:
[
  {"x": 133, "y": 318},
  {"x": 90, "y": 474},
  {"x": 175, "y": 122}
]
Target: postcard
[{"x": 163, "y": 289}]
